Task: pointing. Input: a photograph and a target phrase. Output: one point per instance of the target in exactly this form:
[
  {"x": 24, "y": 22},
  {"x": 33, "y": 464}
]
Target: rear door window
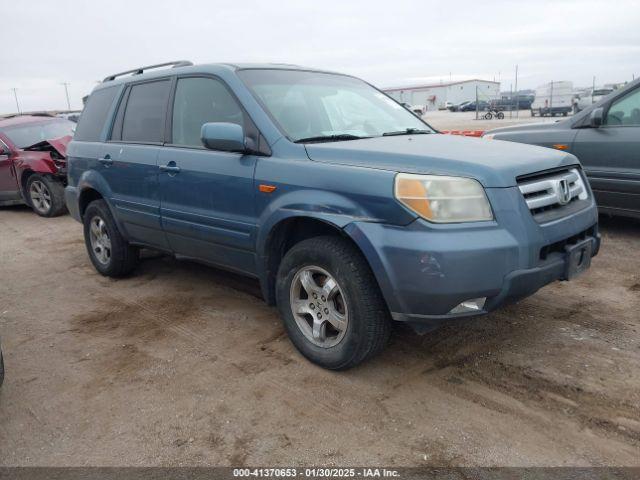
[
  {"x": 145, "y": 112},
  {"x": 94, "y": 115}
]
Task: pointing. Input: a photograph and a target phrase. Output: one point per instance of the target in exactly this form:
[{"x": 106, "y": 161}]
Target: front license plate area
[{"x": 578, "y": 258}]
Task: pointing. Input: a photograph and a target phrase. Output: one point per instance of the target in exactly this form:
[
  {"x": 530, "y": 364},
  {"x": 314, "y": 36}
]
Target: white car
[{"x": 418, "y": 110}]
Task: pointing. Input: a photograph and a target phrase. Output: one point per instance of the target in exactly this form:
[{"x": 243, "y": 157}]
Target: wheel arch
[
  {"x": 24, "y": 178},
  {"x": 282, "y": 236},
  {"x": 87, "y": 196},
  {"x": 93, "y": 186}
]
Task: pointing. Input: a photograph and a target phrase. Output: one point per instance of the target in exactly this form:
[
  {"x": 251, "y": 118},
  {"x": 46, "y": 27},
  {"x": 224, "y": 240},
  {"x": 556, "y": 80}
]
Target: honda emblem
[{"x": 563, "y": 192}]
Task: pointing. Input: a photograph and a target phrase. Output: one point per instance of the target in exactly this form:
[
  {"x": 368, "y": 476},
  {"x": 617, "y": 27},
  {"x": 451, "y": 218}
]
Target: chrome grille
[{"x": 553, "y": 190}]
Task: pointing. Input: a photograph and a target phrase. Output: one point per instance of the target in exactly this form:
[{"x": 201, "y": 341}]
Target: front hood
[
  {"x": 493, "y": 163},
  {"x": 57, "y": 145}
]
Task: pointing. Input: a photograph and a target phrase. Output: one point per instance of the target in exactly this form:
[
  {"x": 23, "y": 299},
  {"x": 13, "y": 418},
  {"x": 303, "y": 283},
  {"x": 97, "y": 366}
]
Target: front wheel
[
  {"x": 46, "y": 195},
  {"x": 330, "y": 303},
  {"x": 488, "y": 116},
  {"x": 109, "y": 252},
  {"x": 500, "y": 115}
]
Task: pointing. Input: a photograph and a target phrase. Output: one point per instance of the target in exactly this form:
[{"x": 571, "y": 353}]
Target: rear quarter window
[{"x": 94, "y": 115}]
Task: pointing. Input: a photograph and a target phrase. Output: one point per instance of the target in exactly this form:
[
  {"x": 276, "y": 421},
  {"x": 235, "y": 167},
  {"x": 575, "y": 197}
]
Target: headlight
[
  {"x": 489, "y": 136},
  {"x": 442, "y": 199}
]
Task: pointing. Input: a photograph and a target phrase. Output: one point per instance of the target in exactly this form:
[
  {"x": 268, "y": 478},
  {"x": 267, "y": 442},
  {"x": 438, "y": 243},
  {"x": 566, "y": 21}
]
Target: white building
[{"x": 433, "y": 97}]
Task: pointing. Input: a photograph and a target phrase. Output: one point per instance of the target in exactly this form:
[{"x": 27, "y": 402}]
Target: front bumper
[{"x": 425, "y": 270}]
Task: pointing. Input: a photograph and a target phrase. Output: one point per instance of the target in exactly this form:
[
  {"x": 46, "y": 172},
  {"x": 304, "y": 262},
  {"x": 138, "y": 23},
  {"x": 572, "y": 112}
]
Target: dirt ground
[{"x": 181, "y": 364}]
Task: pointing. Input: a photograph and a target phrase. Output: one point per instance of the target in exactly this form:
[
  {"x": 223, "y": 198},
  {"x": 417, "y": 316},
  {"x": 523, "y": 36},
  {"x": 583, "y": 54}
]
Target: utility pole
[
  {"x": 15, "y": 94},
  {"x": 517, "y": 100},
  {"x": 511, "y": 100},
  {"x": 66, "y": 91},
  {"x": 477, "y": 104},
  {"x": 593, "y": 87}
]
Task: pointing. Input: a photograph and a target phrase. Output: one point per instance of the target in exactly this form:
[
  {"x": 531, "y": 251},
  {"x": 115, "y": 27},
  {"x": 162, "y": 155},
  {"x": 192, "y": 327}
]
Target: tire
[
  {"x": 112, "y": 256},
  {"x": 358, "y": 300},
  {"x": 500, "y": 115},
  {"x": 488, "y": 116},
  {"x": 45, "y": 195}
]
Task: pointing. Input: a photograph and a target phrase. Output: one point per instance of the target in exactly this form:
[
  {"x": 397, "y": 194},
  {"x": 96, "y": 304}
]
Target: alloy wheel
[
  {"x": 40, "y": 196},
  {"x": 319, "y": 306},
  {"x": 100, "y": 241}
]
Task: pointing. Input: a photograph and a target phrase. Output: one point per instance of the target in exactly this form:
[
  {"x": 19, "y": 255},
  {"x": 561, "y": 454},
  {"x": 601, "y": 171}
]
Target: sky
[{"x": 390, "y": 43}]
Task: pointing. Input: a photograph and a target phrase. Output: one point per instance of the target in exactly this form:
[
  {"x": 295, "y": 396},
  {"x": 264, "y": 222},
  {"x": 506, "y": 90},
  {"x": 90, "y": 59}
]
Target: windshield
[
  {"x": 28, "y": 134},
  {"x": 326, "y": 107}
]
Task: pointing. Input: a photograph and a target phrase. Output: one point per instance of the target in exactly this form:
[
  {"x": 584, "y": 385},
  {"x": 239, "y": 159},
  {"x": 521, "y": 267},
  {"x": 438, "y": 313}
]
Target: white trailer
[{"x": 553, "y": 98}]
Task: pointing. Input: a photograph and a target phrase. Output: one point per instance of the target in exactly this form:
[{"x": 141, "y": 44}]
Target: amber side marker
[
  {"x": 266, "y": 188},
  {"x": 560, "y": 146}
]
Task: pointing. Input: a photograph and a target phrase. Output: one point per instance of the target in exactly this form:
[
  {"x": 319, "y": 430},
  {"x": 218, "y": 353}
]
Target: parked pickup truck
[{"x": 351, "y": 211}]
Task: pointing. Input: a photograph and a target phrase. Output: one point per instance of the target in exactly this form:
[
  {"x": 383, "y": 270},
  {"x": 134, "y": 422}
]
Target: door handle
[
  {"x": 106, "y": 160},
  {"x": 170, "y": 168}
]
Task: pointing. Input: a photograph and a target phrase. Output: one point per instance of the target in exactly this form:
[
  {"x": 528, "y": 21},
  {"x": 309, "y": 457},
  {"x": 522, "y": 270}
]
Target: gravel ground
[
  {"x": 445, "y": 120},
  {"x": 181, "y": 364}
]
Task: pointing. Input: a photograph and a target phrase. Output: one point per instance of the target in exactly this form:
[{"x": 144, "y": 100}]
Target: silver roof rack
[{"x": 141, "y": 70}]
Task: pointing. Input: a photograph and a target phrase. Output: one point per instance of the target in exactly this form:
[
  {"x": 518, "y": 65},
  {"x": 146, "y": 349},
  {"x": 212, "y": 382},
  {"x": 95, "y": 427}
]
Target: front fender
[{"x": 332, "y": 208}]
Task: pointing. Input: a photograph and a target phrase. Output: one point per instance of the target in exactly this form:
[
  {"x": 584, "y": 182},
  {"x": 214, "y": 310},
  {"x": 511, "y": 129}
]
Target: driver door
[{"x": 610, "y": 155}]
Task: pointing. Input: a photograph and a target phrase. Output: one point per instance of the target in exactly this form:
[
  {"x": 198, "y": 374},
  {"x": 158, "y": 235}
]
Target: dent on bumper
[{"x": 425, "y": 270}]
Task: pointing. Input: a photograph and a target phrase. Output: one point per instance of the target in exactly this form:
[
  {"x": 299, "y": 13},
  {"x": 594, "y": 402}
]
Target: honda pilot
[{"x": 350, "y": 211}]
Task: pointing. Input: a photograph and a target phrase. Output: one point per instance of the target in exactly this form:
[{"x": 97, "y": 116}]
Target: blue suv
[{"x": 350, "y": 210}]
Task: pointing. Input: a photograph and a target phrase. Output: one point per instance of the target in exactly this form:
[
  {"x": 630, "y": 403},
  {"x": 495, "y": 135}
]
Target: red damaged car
[{"x": 33, "y": 167}]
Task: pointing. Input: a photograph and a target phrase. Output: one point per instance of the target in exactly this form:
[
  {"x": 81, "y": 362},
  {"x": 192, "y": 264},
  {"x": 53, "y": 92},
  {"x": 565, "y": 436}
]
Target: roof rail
[{"x": 141, "y": 70}]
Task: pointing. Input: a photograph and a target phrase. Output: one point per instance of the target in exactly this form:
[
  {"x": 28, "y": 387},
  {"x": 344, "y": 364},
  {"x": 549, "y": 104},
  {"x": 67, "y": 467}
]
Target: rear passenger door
[
  {"x": 207, "y": 206},
  {"x": 129, "y": 160},
  {"x": 610, "y": 154}
]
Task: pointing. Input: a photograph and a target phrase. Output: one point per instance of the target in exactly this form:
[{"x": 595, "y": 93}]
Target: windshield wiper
[
  {"x": 330, "y": 138},
  {"x": 407, "y": 131}
]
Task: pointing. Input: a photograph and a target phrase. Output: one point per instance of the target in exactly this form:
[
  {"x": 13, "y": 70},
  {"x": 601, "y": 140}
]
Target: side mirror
[
  {"x": 595, "y": 120},
  {"x": 228, "y": 137},
  {"x": 4, "y": 150}
]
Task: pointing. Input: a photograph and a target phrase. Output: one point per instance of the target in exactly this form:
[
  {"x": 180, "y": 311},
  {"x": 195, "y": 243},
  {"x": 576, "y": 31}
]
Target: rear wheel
[
  {"x": 109, "y": 252},
  {"x": 500, "y": 115},
  {"x": 46, "y": 195},
  {"x": 330, "y": 303},
  {"x": 488, "y": 116}
]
